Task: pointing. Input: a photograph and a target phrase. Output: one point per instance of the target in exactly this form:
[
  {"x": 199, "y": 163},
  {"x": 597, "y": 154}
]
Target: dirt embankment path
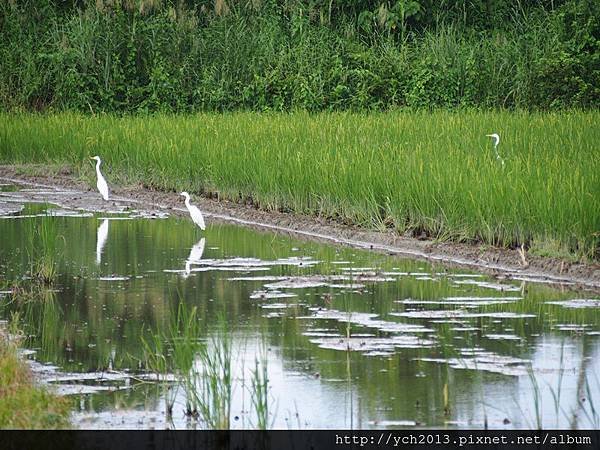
[{"x": 502, "y": 263}]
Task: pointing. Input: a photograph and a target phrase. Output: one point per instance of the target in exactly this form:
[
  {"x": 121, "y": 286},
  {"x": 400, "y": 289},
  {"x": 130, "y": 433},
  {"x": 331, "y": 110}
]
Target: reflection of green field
[
  {"x": 411, "y": 171},
  {"x": 91, "y": 325}
]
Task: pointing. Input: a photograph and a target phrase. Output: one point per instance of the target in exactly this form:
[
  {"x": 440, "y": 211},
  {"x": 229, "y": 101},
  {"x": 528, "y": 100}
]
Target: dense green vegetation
[
  {"x": 432, "y": 172},
  {"x": 414, "y": 173},
  {"x": 206, "y": 55},
  {"x": 22, "y": 404}
]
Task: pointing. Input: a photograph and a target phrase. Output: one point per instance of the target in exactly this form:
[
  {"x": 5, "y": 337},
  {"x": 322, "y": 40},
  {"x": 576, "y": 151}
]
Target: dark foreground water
[{"x": 349, "y": 339}]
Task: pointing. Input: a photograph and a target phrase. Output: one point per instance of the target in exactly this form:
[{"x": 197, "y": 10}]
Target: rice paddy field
[
  {"x": 138, "y": 320},
  {"x": 420, "y": 172},
  {"x": 132, "y": 317}
]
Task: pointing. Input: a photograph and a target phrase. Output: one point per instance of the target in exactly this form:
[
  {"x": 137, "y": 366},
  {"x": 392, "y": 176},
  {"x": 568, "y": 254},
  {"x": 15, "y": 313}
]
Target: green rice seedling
[
  {"x": 446, "y": 399},
  {"x": 557, "y": 393},
  {"x": 537, "y": 398},
  {"x": 213, "y": 382},
  {"x": 260, "y": 391},
  {"x": 349, "y": 388},
  {"x": 421, "y": 173},
  {"x": 184, "y": 332},
  {"x": 155, "y": 360},
  {"x": 175, "y": 351},
  {"x": 590, "y": 408}
]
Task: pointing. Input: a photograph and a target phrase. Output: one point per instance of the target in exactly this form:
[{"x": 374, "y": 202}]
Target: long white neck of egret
[{"x": 98, "y": 167}]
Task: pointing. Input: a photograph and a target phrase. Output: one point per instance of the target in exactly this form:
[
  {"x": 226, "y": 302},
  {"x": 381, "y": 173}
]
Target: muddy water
[{"x": 350, "y": 339}]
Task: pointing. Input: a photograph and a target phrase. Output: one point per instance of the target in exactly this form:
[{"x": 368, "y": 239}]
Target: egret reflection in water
[
  {"x": 102, "y": 235},
  {"x": 195, "y": 255}
]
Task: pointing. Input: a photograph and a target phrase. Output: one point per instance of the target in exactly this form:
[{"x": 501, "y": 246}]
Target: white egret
[
  {"x": 102, "y": 235},
  {"x": 101, "y": 184},
  {"x": 496, "y": 139},
  {"x": 194, "y": 212}
]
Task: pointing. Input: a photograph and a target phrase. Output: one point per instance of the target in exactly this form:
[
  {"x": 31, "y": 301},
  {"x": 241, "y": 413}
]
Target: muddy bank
[{"x": 63, "y": 189}]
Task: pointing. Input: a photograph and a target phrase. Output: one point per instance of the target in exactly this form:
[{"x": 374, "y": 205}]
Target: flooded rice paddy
[{"x": 139, "y": 309}]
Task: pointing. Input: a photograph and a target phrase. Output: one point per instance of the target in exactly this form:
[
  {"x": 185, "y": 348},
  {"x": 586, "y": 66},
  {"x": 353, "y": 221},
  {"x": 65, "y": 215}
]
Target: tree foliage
[{"x": 190, "y": 55}]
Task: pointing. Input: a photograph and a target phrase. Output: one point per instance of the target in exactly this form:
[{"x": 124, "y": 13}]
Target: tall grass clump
[
  {"x": 175, "y": 352},
  {"x": 23, "y": 405},
  {"x": 44, "y": 250},
  {"x": 155, "y": 360},
  {"x": 201, "y": 369},
  {"x": 421, "y": 172}
]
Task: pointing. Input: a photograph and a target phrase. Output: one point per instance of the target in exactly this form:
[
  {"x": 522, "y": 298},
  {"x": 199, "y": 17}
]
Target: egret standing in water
[
  {"x": 496, "y": 139},
  {"x": 101, "y": 184},
  {"x": 194, "y": 212}
]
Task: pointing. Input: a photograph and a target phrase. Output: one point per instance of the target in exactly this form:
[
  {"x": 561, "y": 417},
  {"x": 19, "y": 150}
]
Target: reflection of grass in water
[
  {"x": 44, "y": 316},
  {"x": 104, "y": 325},
  {"x": 39, "y": 313}
]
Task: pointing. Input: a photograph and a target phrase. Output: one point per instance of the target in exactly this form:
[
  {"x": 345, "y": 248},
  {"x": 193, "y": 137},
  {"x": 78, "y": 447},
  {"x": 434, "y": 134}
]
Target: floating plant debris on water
[
  {"x": 372, "y": 344},
  {"x": 578, "y": 303}
]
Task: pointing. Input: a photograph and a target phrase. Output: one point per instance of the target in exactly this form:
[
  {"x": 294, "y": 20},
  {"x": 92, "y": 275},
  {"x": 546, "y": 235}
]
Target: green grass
[
  {"x": 202, "y": 369},
  {"x": 259, "y": 391},
  {"x": 413, "y": 172},
  {"x": 44, "y": 250},
  {"x": 24, "y": 405}
]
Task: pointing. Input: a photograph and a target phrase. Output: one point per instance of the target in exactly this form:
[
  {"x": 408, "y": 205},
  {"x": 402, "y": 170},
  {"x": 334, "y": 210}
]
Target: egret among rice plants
[{"x": 496, "y": 139}]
